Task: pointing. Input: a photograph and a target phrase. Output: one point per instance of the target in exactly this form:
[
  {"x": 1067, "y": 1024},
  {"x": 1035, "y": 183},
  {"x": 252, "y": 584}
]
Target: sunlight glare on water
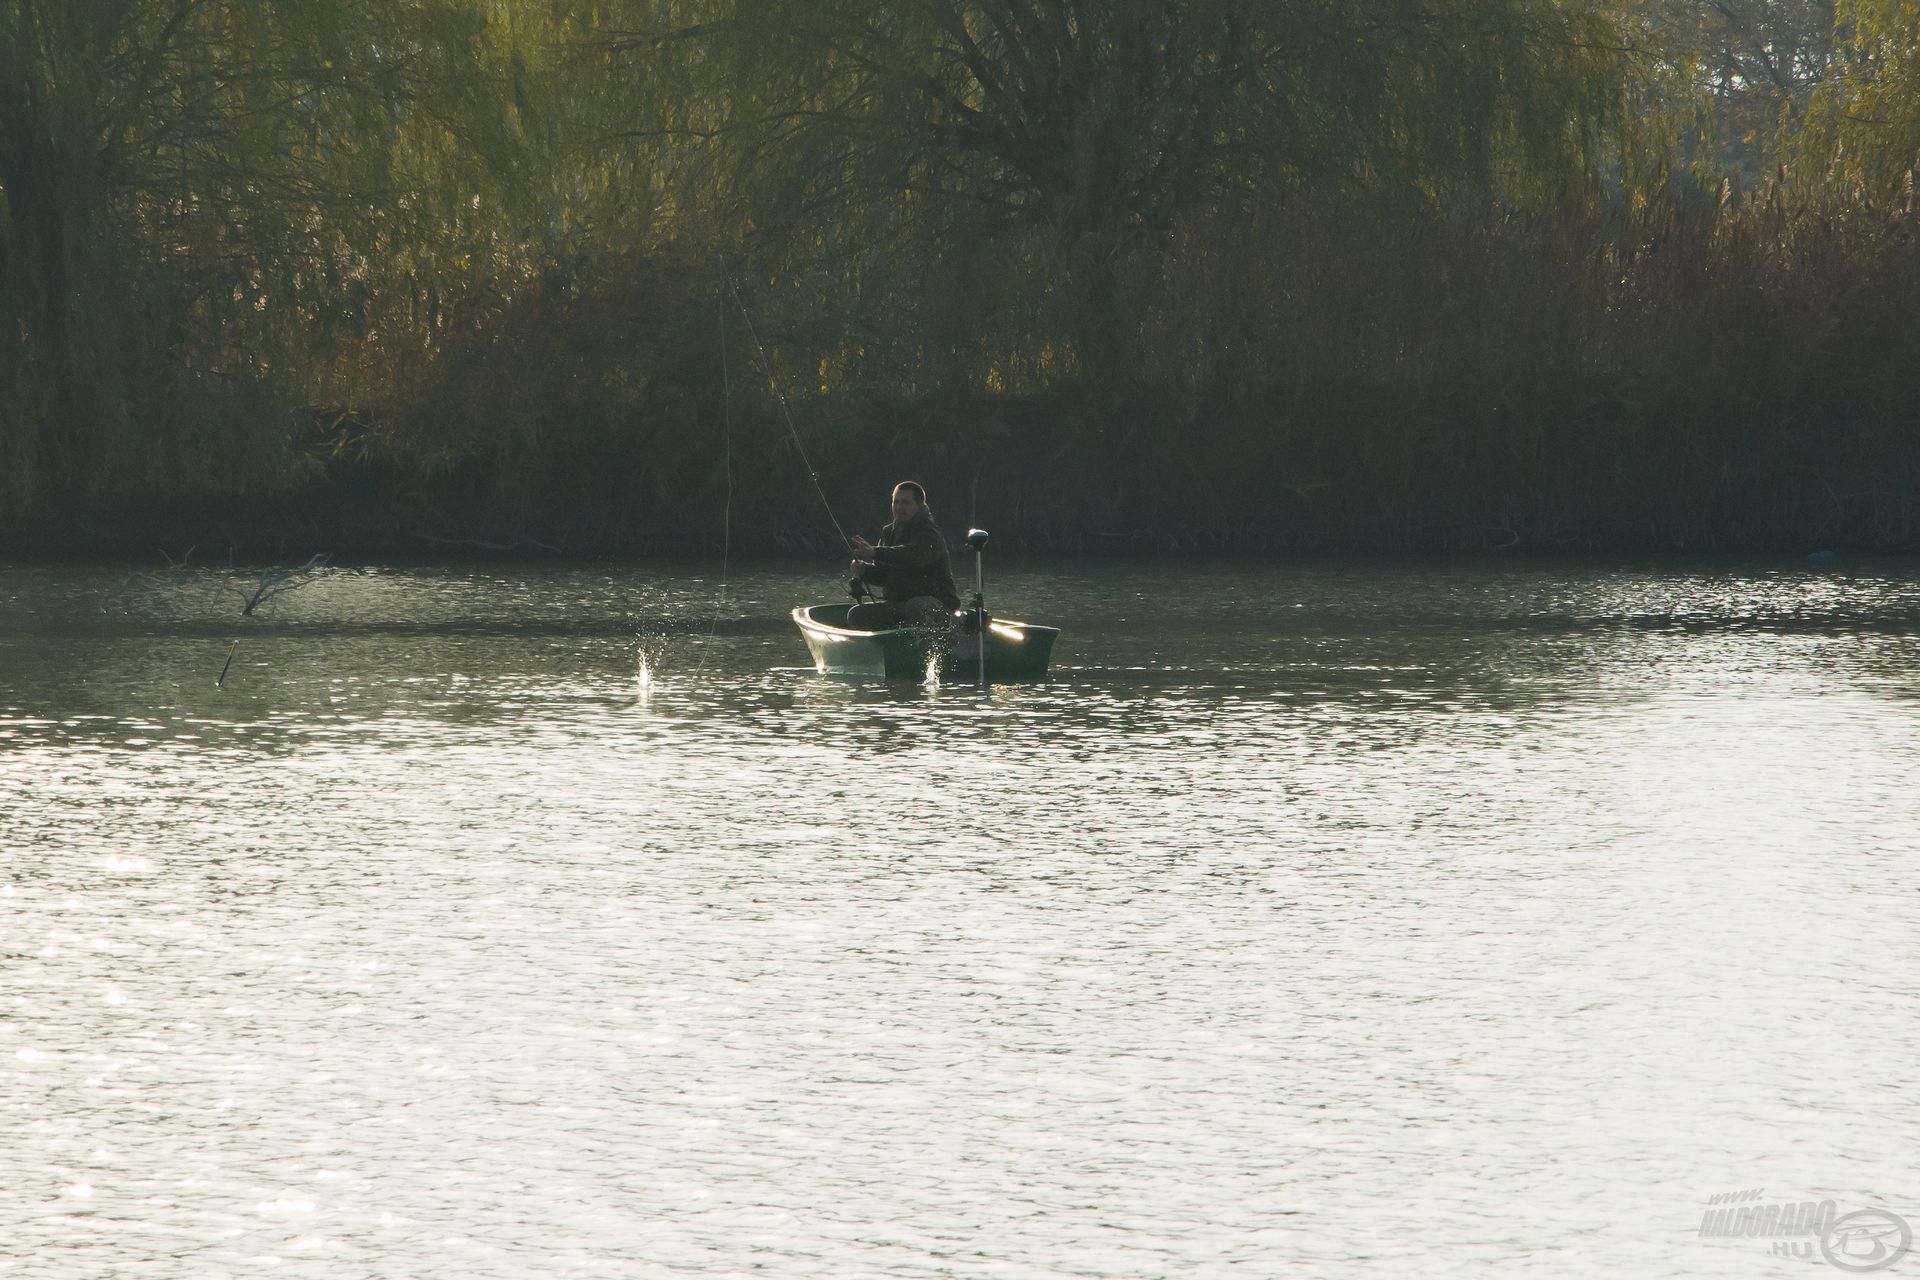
[{"x": 1333, "y": 919}]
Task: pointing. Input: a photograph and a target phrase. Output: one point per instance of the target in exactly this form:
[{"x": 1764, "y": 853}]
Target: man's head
[{"x": 908, "y": 499}]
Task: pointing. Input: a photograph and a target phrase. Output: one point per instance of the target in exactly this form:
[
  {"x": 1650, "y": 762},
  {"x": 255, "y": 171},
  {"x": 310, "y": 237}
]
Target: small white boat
[{"x": 1013, "y": 650}]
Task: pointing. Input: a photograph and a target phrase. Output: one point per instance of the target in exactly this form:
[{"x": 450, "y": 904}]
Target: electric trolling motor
[{"x": 977, "y": 617}]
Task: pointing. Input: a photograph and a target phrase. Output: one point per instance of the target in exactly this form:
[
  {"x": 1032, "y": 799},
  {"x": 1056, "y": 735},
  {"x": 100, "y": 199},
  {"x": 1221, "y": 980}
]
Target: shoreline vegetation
[{"x": 1201, "y": 276}]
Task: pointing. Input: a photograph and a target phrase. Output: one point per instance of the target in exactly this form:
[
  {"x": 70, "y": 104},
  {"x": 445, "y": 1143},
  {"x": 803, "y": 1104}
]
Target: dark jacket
[{"x": 911, "y": 560}]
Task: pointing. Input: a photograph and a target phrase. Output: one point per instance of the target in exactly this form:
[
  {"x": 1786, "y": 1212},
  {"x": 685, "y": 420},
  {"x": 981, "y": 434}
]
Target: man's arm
[{"x": 923, "y": 547}]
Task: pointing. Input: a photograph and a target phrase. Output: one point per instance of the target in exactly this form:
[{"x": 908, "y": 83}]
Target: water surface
[{"x": 1328, "y": 919}]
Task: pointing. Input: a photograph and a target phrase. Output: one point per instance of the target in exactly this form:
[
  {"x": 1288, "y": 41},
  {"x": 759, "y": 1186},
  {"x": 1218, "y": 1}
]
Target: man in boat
[{"x": 909, "y": 564}]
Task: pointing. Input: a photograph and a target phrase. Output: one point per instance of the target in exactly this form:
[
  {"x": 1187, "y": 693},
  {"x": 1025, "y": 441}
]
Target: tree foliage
[
  {"x": 1007, "y": 157},
  {"x": 474, "y": 244},
  {"x": 196, "y": 194},
  {"x": 1866, "y": 124}
]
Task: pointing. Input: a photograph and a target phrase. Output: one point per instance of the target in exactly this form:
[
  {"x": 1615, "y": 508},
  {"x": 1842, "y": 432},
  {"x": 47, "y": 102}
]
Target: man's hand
[
  {"x": 862, "y": 549},
  {"x": 860, "y": 568}
]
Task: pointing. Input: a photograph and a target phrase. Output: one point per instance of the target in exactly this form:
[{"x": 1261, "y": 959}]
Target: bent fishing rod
[
  {"x": 773, "y": 385},
  {"x": 857, "y": 585}
]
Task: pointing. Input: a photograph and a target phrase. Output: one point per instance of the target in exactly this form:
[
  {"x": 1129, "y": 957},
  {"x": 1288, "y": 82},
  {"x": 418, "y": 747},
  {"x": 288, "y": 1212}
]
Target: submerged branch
[{"x": 277, "y": 583}]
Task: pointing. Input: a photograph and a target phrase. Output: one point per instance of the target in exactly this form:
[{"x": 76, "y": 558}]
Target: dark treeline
[{"x": 1251, "y": 274}]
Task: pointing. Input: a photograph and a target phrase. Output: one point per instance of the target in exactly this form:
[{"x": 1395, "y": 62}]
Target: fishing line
[
  {"x": 726, "y": 521},
  {"x": 773, "y": 384},
  {"x": 726, "y": 518}
]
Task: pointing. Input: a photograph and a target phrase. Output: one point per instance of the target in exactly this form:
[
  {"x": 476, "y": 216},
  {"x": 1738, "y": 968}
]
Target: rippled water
[{"x": 1342, "y": 919}]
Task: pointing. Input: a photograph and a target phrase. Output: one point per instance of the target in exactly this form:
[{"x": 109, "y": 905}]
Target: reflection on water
[{"x": 1339, "y": 919}]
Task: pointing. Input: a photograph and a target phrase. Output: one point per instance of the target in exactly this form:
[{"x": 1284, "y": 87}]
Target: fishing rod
[{"x": 773, "y": 384}]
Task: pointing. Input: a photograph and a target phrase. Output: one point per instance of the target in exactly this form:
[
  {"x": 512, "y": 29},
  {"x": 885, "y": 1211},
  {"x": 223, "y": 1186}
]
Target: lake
[{"x": 1326, "y": 918}]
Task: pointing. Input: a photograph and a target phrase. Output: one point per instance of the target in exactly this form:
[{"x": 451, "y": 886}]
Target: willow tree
[
  {"x": 989, "y": 166},
  {"x": 1865, "y": 125},
  {"x": 1744, "y": 70},
  {"x": 192, "y": 192}
]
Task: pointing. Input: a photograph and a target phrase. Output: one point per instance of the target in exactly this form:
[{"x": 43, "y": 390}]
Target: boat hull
[{"x": 1014, "y": 650}]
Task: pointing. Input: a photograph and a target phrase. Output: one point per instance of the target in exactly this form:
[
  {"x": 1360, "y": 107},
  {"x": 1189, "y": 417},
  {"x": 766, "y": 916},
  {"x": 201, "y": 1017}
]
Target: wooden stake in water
[{"x": 221, "y": 683}]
